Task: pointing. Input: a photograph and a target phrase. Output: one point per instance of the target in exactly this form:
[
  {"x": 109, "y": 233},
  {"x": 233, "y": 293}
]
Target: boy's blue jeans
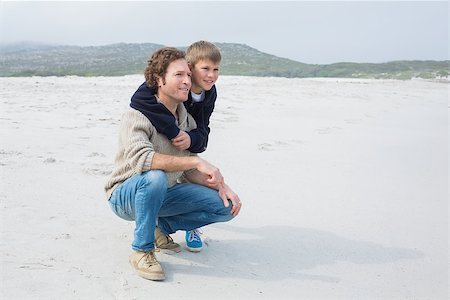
[{"x": 145, "y": 199}]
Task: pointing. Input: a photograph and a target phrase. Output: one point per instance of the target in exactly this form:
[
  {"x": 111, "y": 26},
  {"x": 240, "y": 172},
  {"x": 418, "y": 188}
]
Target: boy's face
[
  {"x": 204, "y": 75},
  {"x": 175, "y": 87}
]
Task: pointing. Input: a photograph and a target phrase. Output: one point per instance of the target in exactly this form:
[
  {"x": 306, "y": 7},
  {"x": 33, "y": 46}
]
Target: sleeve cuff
[{"x": 171, "y": 131}]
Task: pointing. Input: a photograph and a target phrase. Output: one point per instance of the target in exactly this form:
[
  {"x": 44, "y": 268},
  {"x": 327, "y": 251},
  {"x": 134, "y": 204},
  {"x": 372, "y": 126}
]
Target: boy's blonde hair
[{"x": 202, "y": 50}]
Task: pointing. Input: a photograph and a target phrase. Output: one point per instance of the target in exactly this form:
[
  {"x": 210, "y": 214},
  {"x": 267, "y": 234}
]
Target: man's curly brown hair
[{"x": 158, "y": 64}]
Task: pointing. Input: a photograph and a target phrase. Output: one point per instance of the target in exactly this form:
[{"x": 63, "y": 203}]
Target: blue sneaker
[{"x": 193, "y": 241}]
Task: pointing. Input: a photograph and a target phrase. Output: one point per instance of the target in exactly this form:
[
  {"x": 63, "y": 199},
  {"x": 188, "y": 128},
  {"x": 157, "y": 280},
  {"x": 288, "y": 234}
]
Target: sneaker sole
[
  {"x": 194, "y": 249},
  {"x": 154, "y": 277}
]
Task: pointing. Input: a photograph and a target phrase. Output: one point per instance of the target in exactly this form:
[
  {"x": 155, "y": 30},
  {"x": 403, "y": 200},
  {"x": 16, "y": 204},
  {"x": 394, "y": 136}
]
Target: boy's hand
[{"x": 182, "y": 141}]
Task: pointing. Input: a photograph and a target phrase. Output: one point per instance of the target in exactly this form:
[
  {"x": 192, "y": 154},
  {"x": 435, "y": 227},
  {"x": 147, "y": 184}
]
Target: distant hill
[{"x": 29, "y": 59}]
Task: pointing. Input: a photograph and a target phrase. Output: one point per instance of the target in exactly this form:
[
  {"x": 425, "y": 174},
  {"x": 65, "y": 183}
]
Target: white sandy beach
[{"x": 344, "y": 184}]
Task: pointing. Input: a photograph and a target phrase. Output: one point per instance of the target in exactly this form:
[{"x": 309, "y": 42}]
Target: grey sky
[{"x": 310, "y": 32}]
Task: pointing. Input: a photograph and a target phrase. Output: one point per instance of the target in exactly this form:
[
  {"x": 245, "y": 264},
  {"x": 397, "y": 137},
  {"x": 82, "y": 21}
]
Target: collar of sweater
[{"x": 182, "y": 117}]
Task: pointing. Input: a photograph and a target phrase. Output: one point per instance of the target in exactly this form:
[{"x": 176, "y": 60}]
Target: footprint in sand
[
  {"x": 5, "y": 157},
  {"x": 277, "y": 145},
  {"x": 324, "y": 130},
  {"x": 96, "y": 154},
  {"x": 328, "y": 129},
  {"x": 102, "y": 169},
  {"x": 265, "y": 147},
  {"x": 49, "y": 160},
  {"x": 353, "y": 121}
]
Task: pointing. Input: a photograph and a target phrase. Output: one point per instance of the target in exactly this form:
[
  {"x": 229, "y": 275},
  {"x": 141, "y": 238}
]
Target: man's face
[
  {"x": 204, "y": 75},
  {"x": 177, "y": 82}
]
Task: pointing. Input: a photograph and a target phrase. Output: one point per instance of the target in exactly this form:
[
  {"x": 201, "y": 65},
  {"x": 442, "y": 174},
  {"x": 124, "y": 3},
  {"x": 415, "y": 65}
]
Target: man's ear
[{"x": 160, "y": 81}]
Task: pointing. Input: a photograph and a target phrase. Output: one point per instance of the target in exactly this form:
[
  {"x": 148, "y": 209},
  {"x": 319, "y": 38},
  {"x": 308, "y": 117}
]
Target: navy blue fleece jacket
[{"x": 144, "y": 100}]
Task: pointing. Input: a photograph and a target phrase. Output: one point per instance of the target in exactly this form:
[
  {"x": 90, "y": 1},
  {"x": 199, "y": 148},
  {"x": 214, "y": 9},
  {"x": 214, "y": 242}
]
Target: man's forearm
[
  {"x": 171, "y": 163},
  {"x": 200, "y": 178}
]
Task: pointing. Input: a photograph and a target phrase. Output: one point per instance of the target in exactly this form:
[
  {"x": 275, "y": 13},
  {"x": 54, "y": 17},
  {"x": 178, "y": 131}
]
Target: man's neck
[{"x": 171, "y": 106}]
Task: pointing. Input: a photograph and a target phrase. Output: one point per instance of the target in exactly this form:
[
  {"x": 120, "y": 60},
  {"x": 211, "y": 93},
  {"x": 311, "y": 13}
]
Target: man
[{"x": 143, "y": 185}]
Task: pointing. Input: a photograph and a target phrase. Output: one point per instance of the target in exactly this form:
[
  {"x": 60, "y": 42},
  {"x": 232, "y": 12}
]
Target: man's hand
[
  {"x": 182, "y": 141},
  {"x": 209, "y": 175},
  {"x": 227, "y": 194},
  {"x": 214, "y": 177}
]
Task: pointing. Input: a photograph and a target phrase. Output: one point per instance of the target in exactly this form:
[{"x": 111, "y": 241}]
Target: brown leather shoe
[
  {"x": 146, "y": 265},
  {"x": 165, "y": 243}
]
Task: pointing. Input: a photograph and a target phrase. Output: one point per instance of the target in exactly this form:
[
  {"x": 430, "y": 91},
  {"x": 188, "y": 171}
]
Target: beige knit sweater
[{"x": 138, "y": 142}]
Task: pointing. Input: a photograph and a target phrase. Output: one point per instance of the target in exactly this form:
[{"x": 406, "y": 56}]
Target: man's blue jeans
[{"x": 145, "y": 199}]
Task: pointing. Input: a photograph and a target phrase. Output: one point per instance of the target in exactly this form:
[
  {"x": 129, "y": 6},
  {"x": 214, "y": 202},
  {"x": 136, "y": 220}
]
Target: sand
[{"x": 344, "y": 184}]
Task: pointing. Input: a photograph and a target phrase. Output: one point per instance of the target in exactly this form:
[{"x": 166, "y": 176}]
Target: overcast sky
[{"x": 310, "y": 32}]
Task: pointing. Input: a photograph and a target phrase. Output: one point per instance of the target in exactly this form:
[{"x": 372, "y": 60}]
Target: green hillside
[{"x": 238, "y": 59}]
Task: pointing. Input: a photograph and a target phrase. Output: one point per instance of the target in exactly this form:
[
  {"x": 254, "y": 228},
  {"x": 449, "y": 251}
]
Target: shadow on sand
[{"x": 282, "y": 252}]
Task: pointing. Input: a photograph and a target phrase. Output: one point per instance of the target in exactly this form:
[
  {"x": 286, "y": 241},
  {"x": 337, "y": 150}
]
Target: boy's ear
[{"x": 190, "y": 66}]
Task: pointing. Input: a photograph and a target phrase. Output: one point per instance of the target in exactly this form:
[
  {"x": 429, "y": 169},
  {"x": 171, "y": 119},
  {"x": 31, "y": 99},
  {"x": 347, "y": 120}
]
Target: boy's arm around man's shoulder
[{"x": 144, "y": 100}]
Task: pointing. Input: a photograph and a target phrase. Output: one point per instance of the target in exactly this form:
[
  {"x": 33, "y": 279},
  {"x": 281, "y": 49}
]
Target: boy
[{"x": 203, "y": 58}]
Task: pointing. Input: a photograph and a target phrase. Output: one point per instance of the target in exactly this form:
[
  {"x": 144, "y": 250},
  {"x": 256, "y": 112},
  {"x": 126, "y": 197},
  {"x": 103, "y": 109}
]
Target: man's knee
[
  {"x": 224, "y": 212},
  {"x": 155, "y": 179},
  {"x": 153, "y": 185}
]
